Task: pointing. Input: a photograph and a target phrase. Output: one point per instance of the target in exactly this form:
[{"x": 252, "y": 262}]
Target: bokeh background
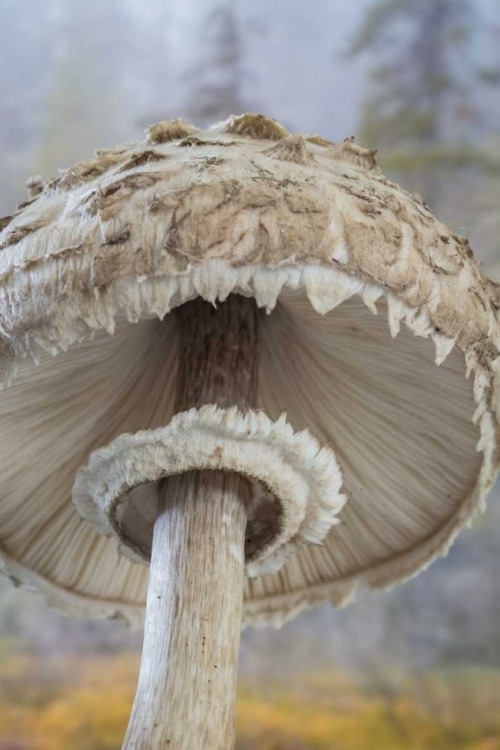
[{"x": 415, "y": 668}]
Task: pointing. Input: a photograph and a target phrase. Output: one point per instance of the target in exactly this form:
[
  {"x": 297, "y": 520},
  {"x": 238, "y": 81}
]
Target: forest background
[{"x": 418, "y": 667}]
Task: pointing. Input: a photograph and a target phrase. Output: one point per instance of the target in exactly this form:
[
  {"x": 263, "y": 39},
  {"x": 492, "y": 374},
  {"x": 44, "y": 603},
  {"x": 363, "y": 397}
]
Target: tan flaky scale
[{"x": 247, "y": 326}]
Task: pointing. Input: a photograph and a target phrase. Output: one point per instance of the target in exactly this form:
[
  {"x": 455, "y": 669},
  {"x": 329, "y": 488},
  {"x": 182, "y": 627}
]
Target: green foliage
[
  {"x": 410, "y": 161},
  {"x": 422, "y": 107},
  {"x": 378, "y": 18},
  {"x": 414, "y": 74},
  {"x": 405, "y": 124}
]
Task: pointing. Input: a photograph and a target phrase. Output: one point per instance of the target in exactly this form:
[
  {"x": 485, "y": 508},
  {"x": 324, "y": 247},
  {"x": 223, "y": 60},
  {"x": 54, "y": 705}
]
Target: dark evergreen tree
[
  {"x": 216, "y": 78},
  {"x": 423, "y": 108}
]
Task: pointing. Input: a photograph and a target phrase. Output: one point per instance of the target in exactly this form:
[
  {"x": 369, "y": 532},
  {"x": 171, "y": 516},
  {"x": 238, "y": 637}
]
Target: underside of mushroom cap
[{"x": 317, "y": 235}]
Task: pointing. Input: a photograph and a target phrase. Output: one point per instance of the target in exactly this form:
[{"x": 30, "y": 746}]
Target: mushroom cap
[{"x": 317, "y": 235}]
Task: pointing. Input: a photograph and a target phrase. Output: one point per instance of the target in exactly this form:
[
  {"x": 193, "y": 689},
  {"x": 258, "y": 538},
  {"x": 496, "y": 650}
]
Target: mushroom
[{"x": 252, "y": 465}]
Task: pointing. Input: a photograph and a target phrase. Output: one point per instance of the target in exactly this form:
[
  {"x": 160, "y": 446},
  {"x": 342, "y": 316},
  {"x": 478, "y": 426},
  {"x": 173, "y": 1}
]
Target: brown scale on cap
[
  {"x": 348, "y": 150},
  {"x": 146, "y": 156},
  {"x": 35, "y": 186},
  {"x": 169, "y": 130},
  {"x": 19, "y": 233},
  {"x": 291, "y": 148},
  {"x": 255, "y": 126}
]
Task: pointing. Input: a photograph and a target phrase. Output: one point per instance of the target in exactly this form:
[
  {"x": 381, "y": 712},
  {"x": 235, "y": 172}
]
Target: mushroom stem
[
  {"x": 187, "y": 684},
  {"x": 186, "y": 693}
]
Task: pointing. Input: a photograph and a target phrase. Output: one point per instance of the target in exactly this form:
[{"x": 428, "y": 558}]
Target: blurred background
[{"x": 418, "y": 667}]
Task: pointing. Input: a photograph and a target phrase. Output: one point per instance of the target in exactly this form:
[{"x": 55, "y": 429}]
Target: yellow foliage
[
  {"x": 85, "y": 720},
  {"x": 83, "y": 704}
]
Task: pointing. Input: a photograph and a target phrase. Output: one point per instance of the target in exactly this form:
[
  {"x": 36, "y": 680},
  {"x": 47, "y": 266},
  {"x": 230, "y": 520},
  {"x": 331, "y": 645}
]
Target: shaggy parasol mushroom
[{"x": 213, "y": 225}]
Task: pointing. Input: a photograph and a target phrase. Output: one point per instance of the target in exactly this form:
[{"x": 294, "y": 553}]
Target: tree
[
  {"x": 86, "y": 98},
  {"x": 217, "y": 76},
  {"x": 424, "y": 106}
]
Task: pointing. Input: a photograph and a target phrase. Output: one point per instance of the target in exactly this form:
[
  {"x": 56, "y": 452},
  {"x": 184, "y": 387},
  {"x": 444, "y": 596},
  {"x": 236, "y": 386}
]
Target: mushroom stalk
[{"x": 186, "y": 693}]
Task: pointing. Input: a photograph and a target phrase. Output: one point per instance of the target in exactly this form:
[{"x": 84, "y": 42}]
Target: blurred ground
[{"x": 83, "y": 703}]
